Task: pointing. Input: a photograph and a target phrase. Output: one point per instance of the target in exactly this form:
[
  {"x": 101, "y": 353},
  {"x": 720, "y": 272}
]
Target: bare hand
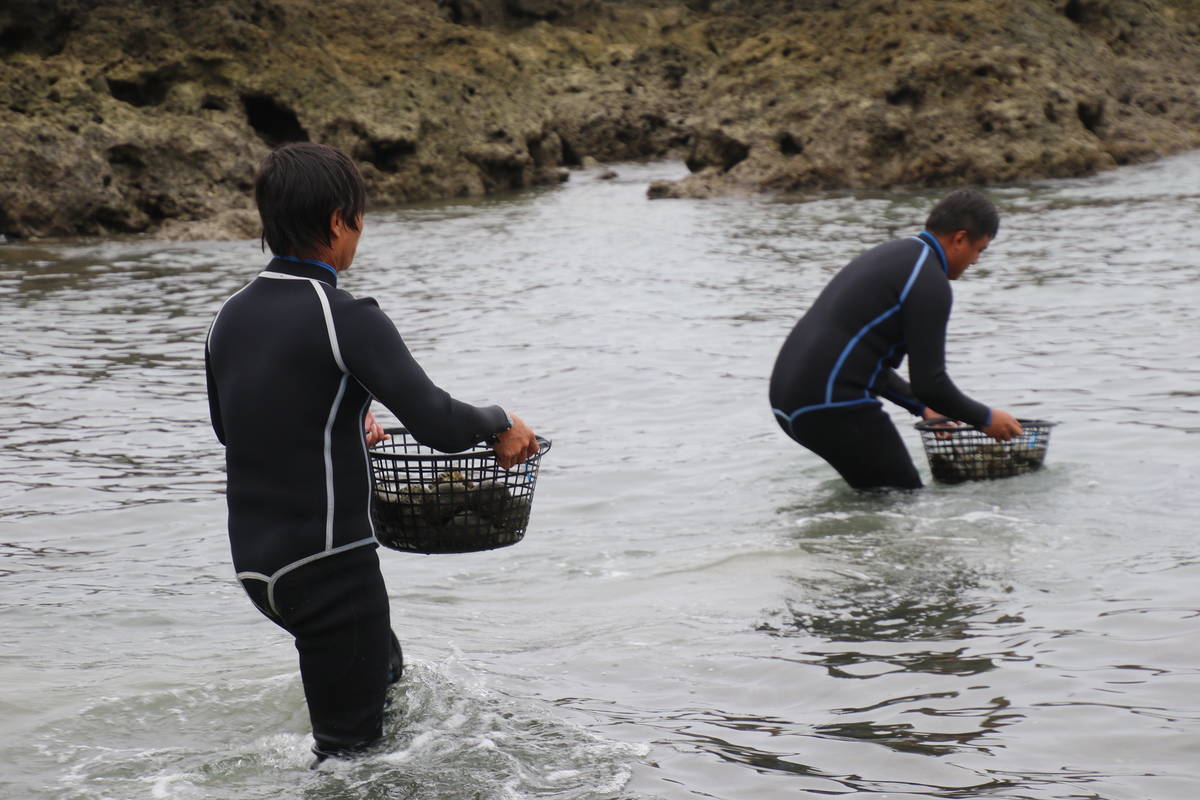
[
  {"x": 516, "y": 444},
  {"x": 1004, "y": 426},
  {"x": 373, "y": 430}
]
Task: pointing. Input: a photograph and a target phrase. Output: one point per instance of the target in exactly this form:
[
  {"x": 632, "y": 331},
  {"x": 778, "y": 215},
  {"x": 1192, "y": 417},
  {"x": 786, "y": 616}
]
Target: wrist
[{"x": 508, "y": 423}]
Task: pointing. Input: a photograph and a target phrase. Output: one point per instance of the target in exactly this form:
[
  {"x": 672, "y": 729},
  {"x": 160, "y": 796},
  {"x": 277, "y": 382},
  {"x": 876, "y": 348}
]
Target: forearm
[
  {"x": 377, "y": 357},
  {"x": 894, "y": 388},
  {"x": 926, "y": 316},
  {"x": 436, "y": 419},
  {"x": 938, "y": 392}
]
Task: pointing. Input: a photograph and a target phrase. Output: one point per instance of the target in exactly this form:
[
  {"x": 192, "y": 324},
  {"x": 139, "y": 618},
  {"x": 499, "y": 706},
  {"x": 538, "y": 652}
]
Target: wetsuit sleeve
[
  {"x": 926, "y": 314},
  {"x": 891, "y": 386},
  {"x": 214, "y": 402},
  {"x": 377, "y": 357}
]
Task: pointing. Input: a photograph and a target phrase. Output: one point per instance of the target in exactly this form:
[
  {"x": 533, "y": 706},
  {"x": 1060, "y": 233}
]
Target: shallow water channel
[{"x": 700, "y": 608}]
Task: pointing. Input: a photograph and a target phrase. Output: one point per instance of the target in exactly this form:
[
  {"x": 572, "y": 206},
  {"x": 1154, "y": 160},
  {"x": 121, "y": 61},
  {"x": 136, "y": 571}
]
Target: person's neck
[
  {"x": 942, "y": 239},
  {"x": 324, "y": 255},
  {"x": 940, "y": 243},
  {"x": 316, "y": 262}
]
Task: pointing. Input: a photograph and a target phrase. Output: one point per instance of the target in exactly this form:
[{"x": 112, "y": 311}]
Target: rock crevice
[{"x": 138, "y": 116}]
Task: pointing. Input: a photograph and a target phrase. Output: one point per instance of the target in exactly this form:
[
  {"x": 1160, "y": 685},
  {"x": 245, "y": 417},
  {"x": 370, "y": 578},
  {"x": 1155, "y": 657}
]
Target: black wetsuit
[
  {"x": 293, "y": 364},
  {"x": 842, "y": 355}
]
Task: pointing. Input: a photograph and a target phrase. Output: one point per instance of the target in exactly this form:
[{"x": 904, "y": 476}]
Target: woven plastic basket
[
  {"x": 430, "y": 502},
  {"x": 960, "y": 453}
]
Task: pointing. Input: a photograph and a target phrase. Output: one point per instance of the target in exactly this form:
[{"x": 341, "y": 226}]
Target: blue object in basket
[{"x": 960, "y": 453}]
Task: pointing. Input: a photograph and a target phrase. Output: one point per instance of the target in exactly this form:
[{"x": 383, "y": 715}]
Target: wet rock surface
[
  {"x": 138, "y": 117},
  {"x": 888, "y": 93}
]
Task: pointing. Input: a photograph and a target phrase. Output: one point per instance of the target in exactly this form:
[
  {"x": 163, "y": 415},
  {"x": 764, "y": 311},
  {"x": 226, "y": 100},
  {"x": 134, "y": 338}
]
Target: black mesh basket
[
  {"x": 430, "y": 502},
  {"x": 960, "y": 453}
]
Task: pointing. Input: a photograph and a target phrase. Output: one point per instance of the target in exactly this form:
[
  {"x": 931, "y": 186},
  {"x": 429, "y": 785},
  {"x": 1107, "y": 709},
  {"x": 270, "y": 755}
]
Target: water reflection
[
  {"x": 881, "y": 608},
  {"x": 26, "y": 557},
  {"x": 777, "y": 747},
  {"x": 861, "y": 666},
  {"x": 901, "y": 737},
  {"x": 906, "y": 737},
  {"x": 886, "y": 575}
]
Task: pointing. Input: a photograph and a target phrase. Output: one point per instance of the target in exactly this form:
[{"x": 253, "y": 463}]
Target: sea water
[{"x": 700, "y": 608}]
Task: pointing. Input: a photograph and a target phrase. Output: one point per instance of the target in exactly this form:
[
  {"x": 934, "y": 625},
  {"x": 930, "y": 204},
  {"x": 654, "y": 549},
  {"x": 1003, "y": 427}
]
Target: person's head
[
  {"x": 311, "y": 200},
  {"x": 965, "y": 222}
]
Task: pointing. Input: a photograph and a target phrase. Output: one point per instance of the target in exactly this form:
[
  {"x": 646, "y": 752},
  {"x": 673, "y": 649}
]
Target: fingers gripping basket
[
  {"x": 960, "y": 453},
  {"x": 430, "y": 502}
]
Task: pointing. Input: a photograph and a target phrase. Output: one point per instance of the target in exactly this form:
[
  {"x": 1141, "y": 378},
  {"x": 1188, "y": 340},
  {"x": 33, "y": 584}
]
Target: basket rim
[
  {"x": 475, "y": 451},
  {"x": 938, "y": 424}
]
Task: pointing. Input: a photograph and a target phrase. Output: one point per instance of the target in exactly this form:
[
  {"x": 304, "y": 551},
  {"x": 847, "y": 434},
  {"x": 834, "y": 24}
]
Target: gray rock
[{"x": 130, "y": 116}]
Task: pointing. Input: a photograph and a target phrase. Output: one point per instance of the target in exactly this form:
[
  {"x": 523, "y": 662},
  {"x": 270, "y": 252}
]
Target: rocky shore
[{"x": 138, "y": 116}]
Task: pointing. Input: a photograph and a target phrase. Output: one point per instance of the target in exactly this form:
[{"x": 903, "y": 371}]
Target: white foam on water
[
  {"x": 464, "y": 736},
  {"x": 449, "y": 736},
  {"x": 173, "y": 787}
]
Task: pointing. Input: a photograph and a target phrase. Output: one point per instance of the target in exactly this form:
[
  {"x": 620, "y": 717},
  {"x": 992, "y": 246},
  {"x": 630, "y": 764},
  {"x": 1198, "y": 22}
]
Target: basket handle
[
  {"x": 946, "y": 424},
  {"x": 936, "y": 424}
]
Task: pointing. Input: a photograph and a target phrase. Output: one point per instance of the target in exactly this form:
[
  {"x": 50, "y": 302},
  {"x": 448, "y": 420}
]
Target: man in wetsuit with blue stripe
[
  {"x": 894, "y": 300},
  {"x": 293, "y": 363}
]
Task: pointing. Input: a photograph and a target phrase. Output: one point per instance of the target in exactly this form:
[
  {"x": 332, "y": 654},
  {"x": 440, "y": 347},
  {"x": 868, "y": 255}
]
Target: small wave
[{"x": 449, "y": 737}]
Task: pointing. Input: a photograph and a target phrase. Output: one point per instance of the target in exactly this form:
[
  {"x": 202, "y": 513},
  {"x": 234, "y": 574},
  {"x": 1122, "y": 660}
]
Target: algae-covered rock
[
  {"x": 886, "y": 93},
  {"x": 131, "y": 116}
]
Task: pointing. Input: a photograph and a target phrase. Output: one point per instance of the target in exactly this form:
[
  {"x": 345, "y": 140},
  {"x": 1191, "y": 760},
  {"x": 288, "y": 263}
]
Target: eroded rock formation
[
  {"x": 894, "y": 92},
  {"x": 137, "y": 116}
]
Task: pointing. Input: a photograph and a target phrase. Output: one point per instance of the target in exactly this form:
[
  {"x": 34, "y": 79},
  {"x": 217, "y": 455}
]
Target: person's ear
[{"x": 337, "y": 225}]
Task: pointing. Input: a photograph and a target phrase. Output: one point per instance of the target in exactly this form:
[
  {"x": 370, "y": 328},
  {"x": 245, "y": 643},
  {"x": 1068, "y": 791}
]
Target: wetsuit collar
[
  {"x": 304, "y": 268},
  {"x": 933, "y": 242}
]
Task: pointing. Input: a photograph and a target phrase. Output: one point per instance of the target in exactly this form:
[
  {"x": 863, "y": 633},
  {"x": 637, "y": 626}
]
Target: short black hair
[
  {"x": 298, "y": 186},
  {"x": 964, "y": 210}
]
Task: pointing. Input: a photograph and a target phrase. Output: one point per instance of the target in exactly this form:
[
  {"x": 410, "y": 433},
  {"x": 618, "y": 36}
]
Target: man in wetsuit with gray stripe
[
  {"x": 894, "y": 300},
  {"x": 293, "y": 364}
]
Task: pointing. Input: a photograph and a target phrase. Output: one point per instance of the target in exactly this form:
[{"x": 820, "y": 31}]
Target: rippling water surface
[{"x": 700, "y": 608}]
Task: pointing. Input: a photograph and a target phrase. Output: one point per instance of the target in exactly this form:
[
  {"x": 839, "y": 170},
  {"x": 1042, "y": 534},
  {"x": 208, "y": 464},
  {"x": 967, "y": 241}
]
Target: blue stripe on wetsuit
[
  {"x": 853, "y": 343},
  {"x": 313, "y": 261},
  {"x": 879, "y": 364},
  {"x": 931, "y": 240}
]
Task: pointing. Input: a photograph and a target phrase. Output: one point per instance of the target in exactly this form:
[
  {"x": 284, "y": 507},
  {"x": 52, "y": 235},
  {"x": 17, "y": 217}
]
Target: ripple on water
[{"x": 450, "y": 738}]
